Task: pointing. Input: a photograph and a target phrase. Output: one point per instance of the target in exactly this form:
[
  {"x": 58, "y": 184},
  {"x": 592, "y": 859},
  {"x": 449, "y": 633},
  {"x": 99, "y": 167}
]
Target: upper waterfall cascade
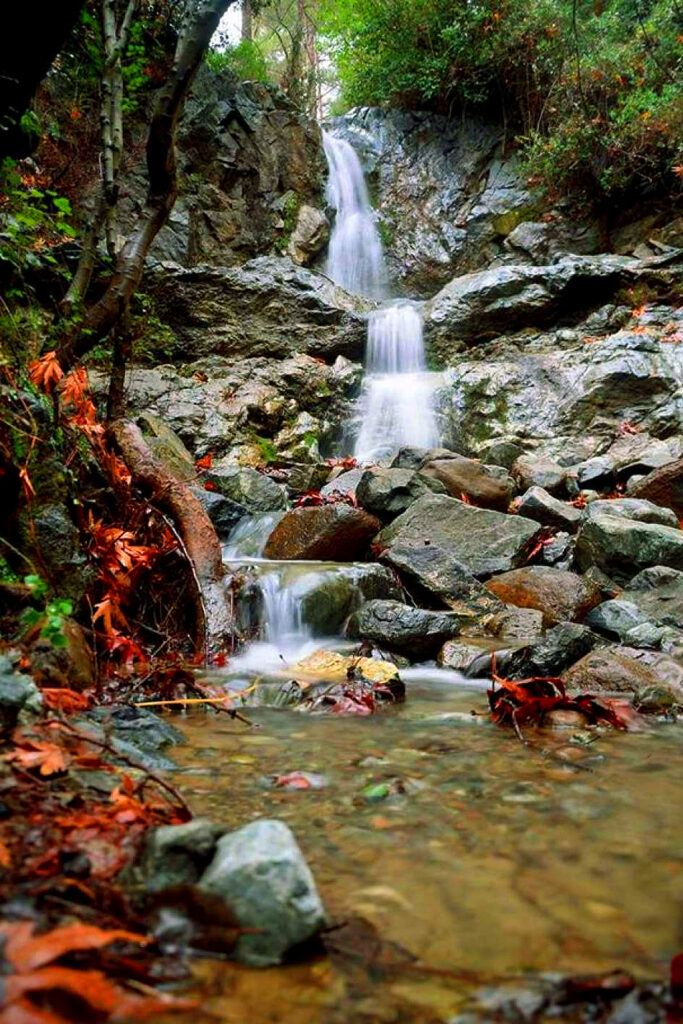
[{"x": 396, "y": 403}]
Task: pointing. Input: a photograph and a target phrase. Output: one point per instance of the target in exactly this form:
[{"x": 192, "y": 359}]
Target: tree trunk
[
  {"x": 214, "y": 622},
  {"x": 162, "y": 189}
]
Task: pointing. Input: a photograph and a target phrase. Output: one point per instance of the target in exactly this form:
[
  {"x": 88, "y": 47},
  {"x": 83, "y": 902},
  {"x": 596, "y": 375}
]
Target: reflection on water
[{"x": 496, "y": 859}]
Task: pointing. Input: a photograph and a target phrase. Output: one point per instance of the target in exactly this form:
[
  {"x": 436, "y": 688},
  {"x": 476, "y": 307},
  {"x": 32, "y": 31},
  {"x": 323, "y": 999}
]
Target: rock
[
  {"x": 167, "y": 447},
  {"x": 559, "y": 551},
  {"x": 655, "y": 576},
  {"x": 483, "y": 541},
  {"x": 303, "y": 477},
  {"x": 389, "y": 492},
  {"x": 471, "y": 657},
  {"x": 484, "y": 485},
  {"x": 664, "y": 486},
  {"x": 440, "y": 575},
  {"x": 539, "y": 505},
  {"x": 246, "y": 487},
  {"x": 640, "y": 454},
  {"x": 260, "y": 872},
  {"x": 137, "y": 726},
  {"x": 396, "y": 626},
  {"x": 621, "y": 670},
  {"x": 540, "y": 240},
  {"x": 636, "y": 509},
  {"x": 338, "y": 533},
  {"x": 654, "y": 600},
  {"x": 616, "y": 618},
  {"x": 68, "y": 665},
  {"x": 538, "y": 471},
  {"x": 299, "y": 440},
  {"x": 482, "y": 305},
  {"x": 344, "y": 484},
  {"x": 20, "y": 699},
  {"x": 596, "y": 473},
  {"x": 621, "y": 547},
  {"x": 330, "y": 667},
  {"x": 53, "y": 535},
  {"x": 310, "y": 234},
  {"x": 560, "y": 595},
  {"x": 178, "y": 854},
  {"x": 223, "y": 512},
  {"x": 409, "y": 458},
  {"x": 266, "y": 307},
  {"x": 553, "y": 653},
  {"x": 516, "y": 624}
]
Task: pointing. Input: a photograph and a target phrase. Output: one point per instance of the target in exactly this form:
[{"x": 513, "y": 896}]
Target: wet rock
[
  {"x": 343, "y": 484},
  {"x": 656, "y": 576},
  {"x": 260, "y": 872},
  {"x": 539, "y": 505},
  {"x": 516, "y": 624},
  {"x": 338, "y": 533},
  {"x": 178, "y": 854},
  {"x": 484, "y": 485},
  {"x": 559, "y": 551},
  {"x": 246, "y": 487},
  {"x": 616, "y": 618},
  {"x": 538, "y": 471},
  {"x": 310, "y": 234},
  {"x": 621, "y": 547},
  {"x": 664, "y": 486},
  {"x": 223, "y": 512},
  {"x": 138, "y": 726},
  {"x": 483, "y": 541},
  {"x": 560, "y": 595},
  {"x": 167, "y": 447},
  {"x": 469, "y": 657},
  {"x": 328, "y": 599},
  {"x": 266, "y": 307},
  {"x": 552, "y": 653},
  {"x": 640, "y": 454},
  {"x": 636, "y": 509},
  {"x": 304, "y": 477},
  {"x": 505, "y": 298},
  {"x": 409, "y": 458},
  {"x": 299, "y": 440},
  {"x": 654, "y": 600},
  {"x": 623, "y": 670},
  {"x": 396, "y": 626},
  {"x": 52, "y": 533},
  {"x": 20, "y": 698},
  {"x": 389, "y": 492},
  {"x": 438, "y": 573}
]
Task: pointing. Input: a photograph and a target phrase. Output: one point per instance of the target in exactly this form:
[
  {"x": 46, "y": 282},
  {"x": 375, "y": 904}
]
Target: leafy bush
[{"x": 245, "y": 61}]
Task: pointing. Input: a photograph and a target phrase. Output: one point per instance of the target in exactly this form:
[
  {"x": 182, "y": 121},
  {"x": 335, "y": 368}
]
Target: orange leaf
[
  {"x": 75, "y": 388},
  {"x": 206, "y": 462},
  {"x": 29, "y": 491},
  {"x": 26, "y": 951},
  {"x": 46, "y": 372},
  {"x": 5, "y": 858},
  {"x": 24, "y": 1012},
  {"x": 48, "y": 757},
  {"x": 65, "y": 700}
]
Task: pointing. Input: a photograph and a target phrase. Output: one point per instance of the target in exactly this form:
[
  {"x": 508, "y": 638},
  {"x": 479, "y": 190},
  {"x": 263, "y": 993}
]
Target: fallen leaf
[{"x": 26, "y": 951}]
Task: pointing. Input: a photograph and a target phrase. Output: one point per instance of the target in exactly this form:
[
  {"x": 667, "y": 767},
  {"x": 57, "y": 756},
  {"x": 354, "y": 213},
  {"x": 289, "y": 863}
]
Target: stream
[{"x": 483, "y": 864}]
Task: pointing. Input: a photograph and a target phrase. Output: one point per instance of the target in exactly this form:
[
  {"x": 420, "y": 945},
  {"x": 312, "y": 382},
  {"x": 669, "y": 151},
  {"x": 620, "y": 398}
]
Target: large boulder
[
  {"x": 260, "y": 873},
  {"x": 560, "y": 595},
  {"x": 246, "y": 487},
  {"x": 664, "y": 486},
  {"x": 637, "y": 509},
  {"x": 401, "y": 627},
  {"x": 484, "y": 485},
  {"x": 266, "y": 307},
  {"x": 543, "y": 508},
  {"x": 389, "y": 492},
  {"x": 656, "y": 682},
  {"x": 483, "y": 541},
  {"x": 621, "y": 547},
  {"x": 436, "y": 573},
  {"x": 654, "y": 598},
  {"x": 336, "y": 533},
  {"x": 538, "y": 471}
]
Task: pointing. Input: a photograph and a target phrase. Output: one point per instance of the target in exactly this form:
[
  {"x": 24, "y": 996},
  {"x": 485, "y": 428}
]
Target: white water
[{"x": 396, "y": 405}]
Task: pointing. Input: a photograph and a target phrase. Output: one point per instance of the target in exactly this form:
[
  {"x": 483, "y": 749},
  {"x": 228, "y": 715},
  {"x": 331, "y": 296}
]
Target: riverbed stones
[
  {"x": 483, "y": 541},
  {"x": 559, "y": 595},
  {"x": 401, "y": 627},
  {"x": 246, "y": 486},
  {"x": 337, "y": 533},
  {"x": 536, "y": 470},
  {"x": 440, "y": 576},
  {"x": 20, "y": 699},
  {"x": 539, "y": 505},
  {"x": 484, "y": 485},
  {"x": 621, "y": 547},
  {"x": 178, "y": 854},
  {"x": 655, "y": 681},
  {"x": 388, "y": 492},
  {"x": 260, "y": 872},
  {"x": 552, "y": 653},
  {"x": 327, "y": 599}
]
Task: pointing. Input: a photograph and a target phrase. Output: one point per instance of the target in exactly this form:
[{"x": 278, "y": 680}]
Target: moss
[
  {"x": 484, "y": 413},
  {"x": 505, "y": 223},
  {"x": 310, "y": 439},
  {"x": 290, "y": 214},
  {"x": 267, "y": 449}
]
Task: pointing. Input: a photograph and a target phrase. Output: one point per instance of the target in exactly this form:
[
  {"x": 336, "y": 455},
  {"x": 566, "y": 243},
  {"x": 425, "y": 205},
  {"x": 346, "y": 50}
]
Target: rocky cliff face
[{"x": 252, "y": 171}]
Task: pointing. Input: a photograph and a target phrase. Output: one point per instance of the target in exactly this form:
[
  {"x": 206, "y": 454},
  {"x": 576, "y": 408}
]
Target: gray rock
[
  {"x": 636, "y": 509},
  {"x": 558, "y": 551},
  {"x": 138, "y": 726},
  {"x": 167, "y": 447},
  {"x": 310, "y": 234},
  {"x": 303, "y": 477},
  {"x": 389, "y": 492},
  {"x": 261, "y": 874},
  {"x": 554, "y": 652},
  {"x": 616, "y": 618},
  {"x": 409, "y": 458},
  {"x": 436, "y": 571},
  {"x": 655, "y": 576},
  {"x": 470, "y": 657},
  {"x": 539, "y": 505},
  {"x": 400, "y": 627},
  {"x": 178, "y": 854},
  {"x": 484, "y": 542},
  {"x": 596, "y": 473},
  {"x": 622, "y": 547},
  {"x": 20, "y": 698},
  {"x": 223, "y": 512},
  {"x": 247, "y": 487},
  {"x": 538, "y": 471},
  {"x": 655, "y": 681},
  {"x": 343, "y": 484}
]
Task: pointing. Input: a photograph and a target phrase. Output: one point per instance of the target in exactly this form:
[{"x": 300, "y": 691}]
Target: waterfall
[
  {"x": 396, "y": 406},
  {"x": 282, "y": 616}
]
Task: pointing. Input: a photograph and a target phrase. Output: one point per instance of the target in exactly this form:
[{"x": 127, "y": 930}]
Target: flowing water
[{"x": 396, "y": 406}]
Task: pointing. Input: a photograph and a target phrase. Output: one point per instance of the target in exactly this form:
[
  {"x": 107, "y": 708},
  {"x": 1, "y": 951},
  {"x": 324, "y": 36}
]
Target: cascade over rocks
[
  {"x": 484, "y": 542},
  {"x": 336, "y": 533}
]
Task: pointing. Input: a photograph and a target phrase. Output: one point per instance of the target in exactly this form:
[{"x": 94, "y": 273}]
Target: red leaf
[
  {"x": 46, "y": 372},
  {"x": 206, "y": 462},
  {"x": 26, "y": 951}
]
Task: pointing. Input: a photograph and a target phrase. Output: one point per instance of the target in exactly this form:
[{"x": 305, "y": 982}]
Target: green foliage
[
  {"x": 591, "y": 89},
  {"x": 245, "y": 62},
  {"x": 267, "y": 449},
  {"x": 51, "y": 615}
]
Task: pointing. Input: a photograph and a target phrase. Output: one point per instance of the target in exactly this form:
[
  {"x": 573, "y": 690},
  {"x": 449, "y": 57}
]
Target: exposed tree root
[{"x": 214, "y": 625}]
